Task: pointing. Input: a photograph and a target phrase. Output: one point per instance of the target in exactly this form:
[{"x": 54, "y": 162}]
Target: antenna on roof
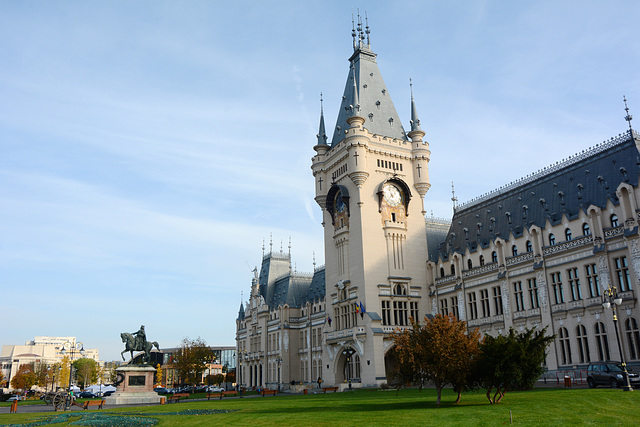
[
  {"x": 454, "y": 199},
  {"x": 289, "y": 246},
  {"x": 314, "y": 260},
  {"x": 366, "y": 20},
  {"x": 628, "y": 117},
  {"x": 263, "y": 247},
  {"x": 270, "y": 242}
]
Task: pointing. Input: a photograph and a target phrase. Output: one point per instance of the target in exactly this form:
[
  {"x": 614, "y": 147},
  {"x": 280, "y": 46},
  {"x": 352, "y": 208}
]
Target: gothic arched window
[
  {"x": 552, "y": 239},
  {"x": 529, "y": 246},
  {"x": 586, "y": 231},
  {"x": 614, "y": 220},
  {"x": 567, "y": 234}
]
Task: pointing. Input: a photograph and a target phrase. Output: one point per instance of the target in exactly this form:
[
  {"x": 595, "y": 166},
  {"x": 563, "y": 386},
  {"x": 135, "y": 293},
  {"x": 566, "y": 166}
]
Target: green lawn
[{"x": 377, "y": 407}]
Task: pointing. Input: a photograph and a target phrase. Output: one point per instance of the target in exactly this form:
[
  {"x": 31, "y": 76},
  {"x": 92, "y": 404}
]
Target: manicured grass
[{"x": 408, "y": 407}]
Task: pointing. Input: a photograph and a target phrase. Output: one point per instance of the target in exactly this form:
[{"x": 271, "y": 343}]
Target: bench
[
  {"x": 325, "y": 389},
  {"x": 267, "y": 391},
  {"x": 175, "y": 397},
  {"x": 98, "y": 403},
  {"x": 220, "y": 395}
]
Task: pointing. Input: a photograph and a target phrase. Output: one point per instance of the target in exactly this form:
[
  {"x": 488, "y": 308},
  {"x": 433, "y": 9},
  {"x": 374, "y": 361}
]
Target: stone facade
[{"x": 536, "y": 253}]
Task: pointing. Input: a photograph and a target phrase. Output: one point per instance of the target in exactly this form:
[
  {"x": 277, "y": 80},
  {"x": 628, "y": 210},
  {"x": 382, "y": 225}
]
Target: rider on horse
[{"x": 140, "y": 340}]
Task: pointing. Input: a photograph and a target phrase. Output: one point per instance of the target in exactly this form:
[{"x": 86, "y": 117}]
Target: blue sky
[{"x": 149, "y": 147}]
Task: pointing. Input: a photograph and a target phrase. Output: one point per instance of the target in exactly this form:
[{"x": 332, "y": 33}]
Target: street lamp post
[
  {"x": 72, "y": 347},
  {"x": 610, "y": 296},
  {"x": 348, "y": 353}
]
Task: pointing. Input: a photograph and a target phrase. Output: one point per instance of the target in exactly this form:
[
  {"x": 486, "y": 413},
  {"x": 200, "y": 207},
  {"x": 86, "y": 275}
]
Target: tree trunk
[
  {"x": 489, "y": 394},
  {"x": 459, "y": 396},
  {"x": 439, "y": 389}
]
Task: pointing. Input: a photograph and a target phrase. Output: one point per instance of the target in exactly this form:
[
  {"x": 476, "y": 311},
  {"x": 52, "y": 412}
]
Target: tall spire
[
  {"x": 415, "y": 121},
  {"x": 454, "y": 199},
  {"x": 628, "y": 117},
  {"x": 353, "y": 31},
  {"x": 365, "y": 93},
  {"x": 322, "y": 135}
]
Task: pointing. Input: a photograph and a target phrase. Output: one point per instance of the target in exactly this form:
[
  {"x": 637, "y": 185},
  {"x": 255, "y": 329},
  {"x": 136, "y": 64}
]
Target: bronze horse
[{"x": 129, "y": 346}]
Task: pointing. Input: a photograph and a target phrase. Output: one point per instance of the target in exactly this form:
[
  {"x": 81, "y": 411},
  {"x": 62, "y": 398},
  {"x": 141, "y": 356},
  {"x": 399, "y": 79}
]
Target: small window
[
  {"x": 514, "y": 250},
  {"x": 552, "y": 239},
  {"x": 614, "y": 220},
  {"x": 529, "y": 246},
  {"x": 586, "y": 230},
  {"x": 469, "y": 264},
  {"x": 494, "y": 256},
  {"x": 567, "y": 234},
  {"x": 453, "y": 269},
  {"x": 481, "y": 260},
  {"x": 441, "y": 272}
]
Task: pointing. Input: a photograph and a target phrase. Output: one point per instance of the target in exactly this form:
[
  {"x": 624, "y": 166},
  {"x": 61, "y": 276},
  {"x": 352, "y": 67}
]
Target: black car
[
  {"x": 108, "y": 393},
  {"x": 161, "y": 390},
  {"x": 609, "y": 374},
  {"x": 85, "y": 395}
]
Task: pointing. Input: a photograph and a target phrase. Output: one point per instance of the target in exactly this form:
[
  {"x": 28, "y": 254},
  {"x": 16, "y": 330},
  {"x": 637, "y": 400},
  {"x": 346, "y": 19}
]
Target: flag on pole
[
  {"x": 357, "y": 308},
  {"x": 329, "y": 320},
  {"x": 361, "y": 310}
]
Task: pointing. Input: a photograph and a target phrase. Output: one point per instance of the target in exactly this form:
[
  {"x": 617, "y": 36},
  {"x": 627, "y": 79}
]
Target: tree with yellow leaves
[{"x": 159, "y": 375}]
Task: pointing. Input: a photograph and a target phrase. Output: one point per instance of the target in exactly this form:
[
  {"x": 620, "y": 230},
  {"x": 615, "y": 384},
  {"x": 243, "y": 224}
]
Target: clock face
[
  {"x": 339, "y": 203},
  {"x": 392, "y": 195}
]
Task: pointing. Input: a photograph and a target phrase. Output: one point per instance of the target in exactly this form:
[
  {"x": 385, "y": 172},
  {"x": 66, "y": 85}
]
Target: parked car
[
  {"x": 15, "y": 397},
  {"x": 108, "y": 393},
  {"x": 214, "y": 389},
  {"x": 86, "y": 395},
  {"x": 161, "y": 390},
  {"x": 609, "y": 374}
]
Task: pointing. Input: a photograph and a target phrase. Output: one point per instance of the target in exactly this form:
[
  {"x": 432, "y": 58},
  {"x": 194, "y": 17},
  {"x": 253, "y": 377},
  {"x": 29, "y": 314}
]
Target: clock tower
[{"x": 370, "y": 179}]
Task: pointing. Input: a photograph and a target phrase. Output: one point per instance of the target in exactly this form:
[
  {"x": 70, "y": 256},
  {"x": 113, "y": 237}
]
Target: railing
[
  {"x": 548, "y": 250},
  {"x": 519, "y": 258}
]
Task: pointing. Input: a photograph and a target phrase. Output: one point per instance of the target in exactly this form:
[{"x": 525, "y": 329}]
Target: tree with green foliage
[
  {"x": 191, "y": 360},
  {"x": 86, "y": 371},
  {"x": 25, "y": 378},
  {"x": 512, "y": 362},
  {"x": 440, "y": 350},
  {"x": 40, "y": 370}
]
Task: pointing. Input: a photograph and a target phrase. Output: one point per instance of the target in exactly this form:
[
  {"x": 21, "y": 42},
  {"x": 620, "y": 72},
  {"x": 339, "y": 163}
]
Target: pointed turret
[
  {"x": 318, "y": 161},
  {"x": 241, "y": 312},
  {"x": 322, "y": 135},
  {"x": 416, "y": 133}
]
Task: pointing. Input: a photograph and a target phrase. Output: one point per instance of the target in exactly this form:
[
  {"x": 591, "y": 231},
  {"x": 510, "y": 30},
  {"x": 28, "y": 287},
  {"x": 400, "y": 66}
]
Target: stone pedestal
[{"x": 137, "y": 387}]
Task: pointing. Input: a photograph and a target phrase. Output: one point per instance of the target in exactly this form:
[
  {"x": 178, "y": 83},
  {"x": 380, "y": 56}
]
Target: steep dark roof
[
  {"x": 371, "y": 95},
  {"x": 564, "y": 189}
]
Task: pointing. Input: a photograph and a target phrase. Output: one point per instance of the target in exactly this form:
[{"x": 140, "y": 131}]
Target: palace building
[{"x": 539, "y": 252}]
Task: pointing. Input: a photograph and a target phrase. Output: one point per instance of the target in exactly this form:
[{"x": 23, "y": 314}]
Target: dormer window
[
  {"x": 552, "y": 239},
  {"x": 469, "y": 264},
  {"x": 567, "y": 234},
  {"x": 494, "y": 256},
  {"x": 586, "y": 230},
  {"x": 514, "y": 250},
  {"x": 529, "y": 246}
]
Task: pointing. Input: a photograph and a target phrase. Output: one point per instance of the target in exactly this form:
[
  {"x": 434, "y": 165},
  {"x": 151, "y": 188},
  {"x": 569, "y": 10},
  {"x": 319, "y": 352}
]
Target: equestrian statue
[{"x": 137, "y": 341}]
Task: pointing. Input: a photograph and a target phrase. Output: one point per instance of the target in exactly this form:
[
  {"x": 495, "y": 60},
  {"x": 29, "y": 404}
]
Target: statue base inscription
[{"x": 136, "y": 388}]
